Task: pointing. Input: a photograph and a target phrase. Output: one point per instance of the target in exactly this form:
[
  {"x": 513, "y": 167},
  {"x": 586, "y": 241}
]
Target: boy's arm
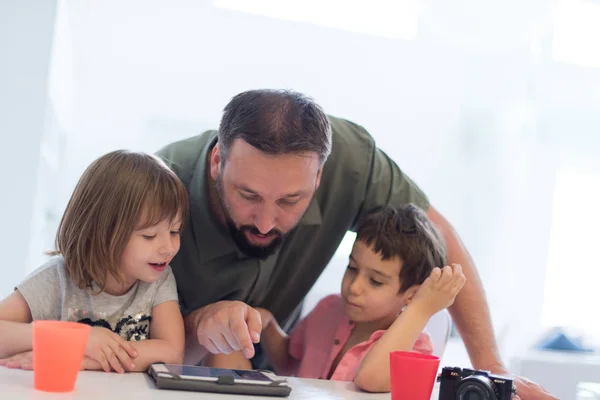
[
  {"x": 437, "y": 292},
  {"x": 373, "y": 375},
  {"x": 15, "y": 325},
  {"x": 275, "y": 344},
  {"x": 236, "y": 360},
  {"x": 166, "y": 343}
]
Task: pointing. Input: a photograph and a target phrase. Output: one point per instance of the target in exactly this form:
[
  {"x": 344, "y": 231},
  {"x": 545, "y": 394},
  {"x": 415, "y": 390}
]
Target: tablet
[{"x": 218, "y": 380}]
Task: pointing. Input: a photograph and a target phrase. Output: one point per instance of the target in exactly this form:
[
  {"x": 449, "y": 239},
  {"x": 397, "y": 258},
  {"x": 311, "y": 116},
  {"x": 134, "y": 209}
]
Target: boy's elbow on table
[{"x": 372, "y": 382}]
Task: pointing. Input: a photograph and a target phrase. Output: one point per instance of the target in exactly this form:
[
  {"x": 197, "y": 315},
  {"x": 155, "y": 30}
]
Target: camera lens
[{"x": 475, "y": 387}]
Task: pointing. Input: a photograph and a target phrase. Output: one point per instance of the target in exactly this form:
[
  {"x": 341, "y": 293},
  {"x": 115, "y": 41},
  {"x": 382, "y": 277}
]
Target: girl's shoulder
[
  {"x": 52, "y": 270},
  {"x": 44, "y": 289}
]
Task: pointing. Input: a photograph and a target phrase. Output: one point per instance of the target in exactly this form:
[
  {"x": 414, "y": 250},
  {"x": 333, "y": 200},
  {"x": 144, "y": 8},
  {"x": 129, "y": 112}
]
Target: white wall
[
  {"x": 474, "y": 108},
  {"x": 26, "y": 31}
]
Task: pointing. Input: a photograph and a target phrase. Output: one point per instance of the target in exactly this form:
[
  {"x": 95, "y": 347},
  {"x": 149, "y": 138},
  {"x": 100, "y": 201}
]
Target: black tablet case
[{"x": 225, "y": 384}]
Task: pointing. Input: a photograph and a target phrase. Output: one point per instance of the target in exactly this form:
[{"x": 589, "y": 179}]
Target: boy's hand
[
  {"x": 440, "y": 289},
  {"x": 110, "y": 350},
  {"x": 265, "y": 316}
]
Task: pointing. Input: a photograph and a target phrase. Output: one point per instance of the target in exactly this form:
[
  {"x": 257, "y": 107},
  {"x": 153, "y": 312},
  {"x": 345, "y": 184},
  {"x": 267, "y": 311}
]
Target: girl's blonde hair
[{"x": 118, "y": 193}]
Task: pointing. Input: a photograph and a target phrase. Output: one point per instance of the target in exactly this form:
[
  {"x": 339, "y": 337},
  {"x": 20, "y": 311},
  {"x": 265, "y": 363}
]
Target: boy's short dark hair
[{"x": 407, "y": 233}]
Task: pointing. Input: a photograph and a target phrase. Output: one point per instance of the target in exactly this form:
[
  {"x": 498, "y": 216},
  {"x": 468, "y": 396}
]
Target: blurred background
[{"x": 492, "y": 107}]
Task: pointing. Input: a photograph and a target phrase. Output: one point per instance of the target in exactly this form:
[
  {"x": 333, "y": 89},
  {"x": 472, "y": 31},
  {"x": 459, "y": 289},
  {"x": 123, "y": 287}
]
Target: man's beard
[
  {"x": 239, "y": 234},
  {"x": 249, "y": 249}
]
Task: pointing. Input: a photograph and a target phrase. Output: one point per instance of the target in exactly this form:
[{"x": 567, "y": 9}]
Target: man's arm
[
  {"x": 470, "y": 310},
  {"x": 221, "y": 327},
  {"x": 471, "y": 314},
  {"x": 275, "y": 344}
]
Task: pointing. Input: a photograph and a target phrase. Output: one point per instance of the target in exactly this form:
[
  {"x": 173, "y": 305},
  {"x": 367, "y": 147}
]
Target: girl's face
[{"x": 149, "y": 250}]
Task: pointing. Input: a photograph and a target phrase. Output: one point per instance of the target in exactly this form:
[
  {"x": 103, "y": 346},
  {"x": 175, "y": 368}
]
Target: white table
[
  {"x": 588, "y": 391},
  {"x": 558, "y": 371},
  {"x": 18, "y": 385}
]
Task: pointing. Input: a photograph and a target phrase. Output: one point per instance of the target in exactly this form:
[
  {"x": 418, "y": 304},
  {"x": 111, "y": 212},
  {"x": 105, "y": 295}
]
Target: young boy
[{"x": 395, "y": 281}]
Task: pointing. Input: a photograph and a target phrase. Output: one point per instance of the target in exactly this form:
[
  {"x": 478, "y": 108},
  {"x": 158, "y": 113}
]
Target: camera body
[{"x": 463, "y": 383}]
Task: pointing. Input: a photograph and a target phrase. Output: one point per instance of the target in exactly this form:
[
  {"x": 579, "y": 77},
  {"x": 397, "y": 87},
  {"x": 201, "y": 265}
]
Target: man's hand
[
  {"x": 228, "y": 326},
  {"x": 526, "y": 389}
]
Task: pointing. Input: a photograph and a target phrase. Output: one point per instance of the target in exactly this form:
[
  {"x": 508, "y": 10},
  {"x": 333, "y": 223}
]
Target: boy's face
[{"x": 370, "y": 288}]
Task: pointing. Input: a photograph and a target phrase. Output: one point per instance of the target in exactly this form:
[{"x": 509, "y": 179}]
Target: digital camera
[{"x": 469, "y": 384}]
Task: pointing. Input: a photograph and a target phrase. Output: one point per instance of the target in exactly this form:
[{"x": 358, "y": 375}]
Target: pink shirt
[{"x": 317, "y": 340}]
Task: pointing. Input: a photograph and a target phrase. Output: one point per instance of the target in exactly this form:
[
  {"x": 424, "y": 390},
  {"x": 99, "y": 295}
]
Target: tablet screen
[{"x": 205, "y": 372}]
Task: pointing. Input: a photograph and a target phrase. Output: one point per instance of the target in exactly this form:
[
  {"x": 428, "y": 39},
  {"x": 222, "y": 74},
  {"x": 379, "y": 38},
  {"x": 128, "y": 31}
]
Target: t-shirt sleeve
[
  {"x": 423, "y": 344},
  {"x": 43, "y": 291},
  {"x": 388, "y": 184},
  {"x": 166, "y": 289}
]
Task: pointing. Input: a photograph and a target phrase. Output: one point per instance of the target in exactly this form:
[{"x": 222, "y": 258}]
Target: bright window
[
  {"x": 571, "y": 289},
  {"x": 576, "y": 32},
  {"x": 395, "y": 19}
]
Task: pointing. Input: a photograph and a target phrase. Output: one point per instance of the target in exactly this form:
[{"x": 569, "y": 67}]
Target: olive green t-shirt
[{"x": 357, "y": 177}]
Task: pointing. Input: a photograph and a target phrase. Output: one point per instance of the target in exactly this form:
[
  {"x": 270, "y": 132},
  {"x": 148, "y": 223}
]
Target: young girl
[
  {"x": 393, "y": 284},
  {"x": 110, "y": 269}
]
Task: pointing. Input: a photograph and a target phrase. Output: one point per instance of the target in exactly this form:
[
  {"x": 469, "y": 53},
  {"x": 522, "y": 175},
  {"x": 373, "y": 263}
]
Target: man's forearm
[
  {"x": 470, "y": 311},
  {"x": 471, "y": 316}
]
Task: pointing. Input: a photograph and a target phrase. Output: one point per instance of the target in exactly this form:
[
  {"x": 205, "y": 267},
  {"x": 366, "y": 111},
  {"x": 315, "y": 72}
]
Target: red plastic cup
[
  {"x": 412, "y": 375},
  {"x": 58, "y": 349}
]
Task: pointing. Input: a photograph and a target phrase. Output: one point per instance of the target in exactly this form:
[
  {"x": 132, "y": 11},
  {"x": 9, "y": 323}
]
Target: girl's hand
[
  {"x": 25, "y": 360},
  {"x": 89, "y": 364},
  {"x": 110, "y": 350},
  {"x": 440, "y": 289},
  {"x": 21, "y": 360}
]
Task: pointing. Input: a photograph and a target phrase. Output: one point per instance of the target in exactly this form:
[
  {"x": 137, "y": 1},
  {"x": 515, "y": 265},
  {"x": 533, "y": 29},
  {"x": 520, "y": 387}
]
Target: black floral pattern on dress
[{"x": 131, "y": 328}]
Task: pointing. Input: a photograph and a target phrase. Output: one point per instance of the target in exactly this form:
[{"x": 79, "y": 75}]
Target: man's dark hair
[
  {"x": 405, "y": 232},
  {"x": 275, "y": 122}
]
